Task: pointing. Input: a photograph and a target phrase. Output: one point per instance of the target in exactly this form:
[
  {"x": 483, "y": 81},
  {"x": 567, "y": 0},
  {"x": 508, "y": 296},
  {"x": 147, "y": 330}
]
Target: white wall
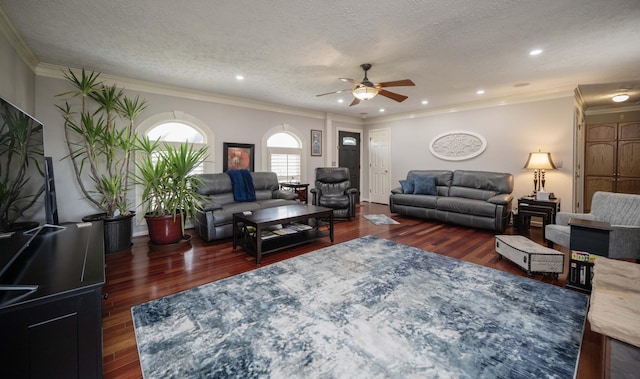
[
  {"x": 227, "y": 123},
  {"x": 17, "y": 80},
  {"x": 511, "y": 131}
]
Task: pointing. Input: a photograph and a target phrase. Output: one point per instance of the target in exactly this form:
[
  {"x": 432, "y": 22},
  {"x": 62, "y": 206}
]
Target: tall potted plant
[
  {"x": 101, "y": 141},
  {"x": 169, "y": 194}
]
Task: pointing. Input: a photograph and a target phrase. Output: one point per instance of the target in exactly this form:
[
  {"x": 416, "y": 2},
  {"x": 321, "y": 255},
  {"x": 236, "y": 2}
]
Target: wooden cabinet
[
  {"x": 50, "y": 303},
  {"x": 612, "y": 159}
]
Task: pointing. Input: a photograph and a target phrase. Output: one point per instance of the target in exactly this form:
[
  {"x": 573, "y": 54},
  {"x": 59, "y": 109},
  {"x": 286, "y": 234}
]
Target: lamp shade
[
  {"x": 364, "y": 92},
  {"x": 540, "y": 161}
]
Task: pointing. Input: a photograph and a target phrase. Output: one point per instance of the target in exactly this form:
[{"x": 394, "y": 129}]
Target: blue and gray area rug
[
  {"x": 380, "y": 219},
  {"x": 367, "y": 308}
]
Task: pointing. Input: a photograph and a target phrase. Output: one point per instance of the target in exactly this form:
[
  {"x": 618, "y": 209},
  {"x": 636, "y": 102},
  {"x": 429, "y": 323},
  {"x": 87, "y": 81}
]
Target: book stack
[
  {"x": 279, "y": 230},
  {"x": 581, "y": 269}
]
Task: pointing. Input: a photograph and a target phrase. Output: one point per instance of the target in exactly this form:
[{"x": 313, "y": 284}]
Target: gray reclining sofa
[
  {"x": 478, "y": 199},
  {"x": 216, "y": 221}
]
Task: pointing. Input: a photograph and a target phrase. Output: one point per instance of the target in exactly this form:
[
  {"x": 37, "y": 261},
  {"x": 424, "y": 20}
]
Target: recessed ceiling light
[
  {"x": 340, "y": 101},
  {"x": 239, "y": 77},
  {"x": 381, "y": 110},
  {"x": 480, "y": 92},
  {"x": 535, "y": 52},
  {"x": 425, "y": 102},
  {"x": 620, "y": 98}
]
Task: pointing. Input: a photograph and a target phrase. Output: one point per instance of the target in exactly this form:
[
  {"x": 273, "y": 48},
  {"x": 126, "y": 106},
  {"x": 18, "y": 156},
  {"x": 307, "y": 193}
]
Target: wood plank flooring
[{"x": 140, "y": 275}]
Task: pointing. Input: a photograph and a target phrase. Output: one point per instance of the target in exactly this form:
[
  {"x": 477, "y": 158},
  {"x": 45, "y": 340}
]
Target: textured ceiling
[{"x": 289, "y": 51}]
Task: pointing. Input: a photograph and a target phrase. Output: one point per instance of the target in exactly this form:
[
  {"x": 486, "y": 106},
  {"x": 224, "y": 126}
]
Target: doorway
[
  {"x": 349, "y": 157},
  {"x": 379, "y": 165}
]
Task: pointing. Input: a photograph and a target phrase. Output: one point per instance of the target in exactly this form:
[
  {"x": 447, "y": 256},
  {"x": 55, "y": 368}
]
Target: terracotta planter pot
[{"x": 164, "y": 230}]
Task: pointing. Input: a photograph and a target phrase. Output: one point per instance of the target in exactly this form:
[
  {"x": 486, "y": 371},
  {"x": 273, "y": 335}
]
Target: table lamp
[{"x": 539, "y": 162}]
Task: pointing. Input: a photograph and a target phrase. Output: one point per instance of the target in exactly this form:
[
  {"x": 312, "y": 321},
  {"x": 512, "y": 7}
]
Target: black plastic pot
[{"x": 118, "y": 231}]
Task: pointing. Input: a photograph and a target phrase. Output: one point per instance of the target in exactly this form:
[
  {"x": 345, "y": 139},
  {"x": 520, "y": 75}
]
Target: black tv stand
[{"x": 50, "y": 304}]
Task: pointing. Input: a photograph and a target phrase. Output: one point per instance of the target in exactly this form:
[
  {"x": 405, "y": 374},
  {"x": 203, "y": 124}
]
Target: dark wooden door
[
  {"x": 612, "y": 159},
  {"x": 349, "y": 156}
]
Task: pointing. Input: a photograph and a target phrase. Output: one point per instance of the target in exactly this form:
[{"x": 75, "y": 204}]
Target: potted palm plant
[
  {"x": 169, "y": 194},
  {"x": 101, "y": 141}
]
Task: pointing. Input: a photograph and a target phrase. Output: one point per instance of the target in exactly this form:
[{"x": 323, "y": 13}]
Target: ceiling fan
[{"x": 366, "y": 90}]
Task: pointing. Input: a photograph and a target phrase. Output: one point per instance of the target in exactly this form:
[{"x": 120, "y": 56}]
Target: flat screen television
[{"x": 27, "y": 190}]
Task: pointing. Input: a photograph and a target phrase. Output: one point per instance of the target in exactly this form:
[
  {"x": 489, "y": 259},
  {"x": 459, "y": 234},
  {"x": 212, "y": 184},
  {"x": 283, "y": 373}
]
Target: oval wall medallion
[{"x": 457, "y": 145}]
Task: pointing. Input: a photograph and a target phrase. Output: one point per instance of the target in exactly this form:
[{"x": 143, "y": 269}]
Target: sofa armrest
[
  {"x": 397, "y": 190},
  {"x": 287, "y": 195},
  {"x": 501, "y": 199},
  {"x": 210, "y": 205},
  {"x": 315, "y": 195},
  {"x": 624, "y": 241},
  {"x": 562, "y": 218}
]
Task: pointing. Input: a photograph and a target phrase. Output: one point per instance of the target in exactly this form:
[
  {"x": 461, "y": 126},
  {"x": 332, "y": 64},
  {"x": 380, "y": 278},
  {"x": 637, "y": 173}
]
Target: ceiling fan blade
[
  {"x": 351, "y": 81},
  {"x": 331, "y": 93},
  {"x": 392, "y": 95},
  {"x": 397, "y": 83},
  {"x": 355, "y": 101}
]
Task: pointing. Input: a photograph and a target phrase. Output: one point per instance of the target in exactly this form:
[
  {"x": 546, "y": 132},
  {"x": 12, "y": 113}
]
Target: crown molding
[
  {"x": 57, "y": 72},
  {"x": 553, "y": 93},
  {"x": 610, "y": 110},
  {"x": 580, "y": 99},
  {"x": 19, "y": 45}
]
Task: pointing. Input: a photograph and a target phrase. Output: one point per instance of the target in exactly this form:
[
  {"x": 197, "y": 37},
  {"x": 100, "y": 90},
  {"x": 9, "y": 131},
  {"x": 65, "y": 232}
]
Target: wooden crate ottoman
[{"x": 529, "y": 255}]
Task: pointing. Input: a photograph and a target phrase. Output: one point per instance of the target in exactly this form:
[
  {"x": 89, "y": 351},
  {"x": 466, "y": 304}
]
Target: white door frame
[
  {"x": 337, "y": 159},
  {"x": 386, "y": 159}
]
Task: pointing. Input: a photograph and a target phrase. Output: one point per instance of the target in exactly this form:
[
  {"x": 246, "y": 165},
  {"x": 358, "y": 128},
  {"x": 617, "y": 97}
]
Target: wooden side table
[
  {"x": 301, "y": 189},
  {"x": 529, "y": 207}
]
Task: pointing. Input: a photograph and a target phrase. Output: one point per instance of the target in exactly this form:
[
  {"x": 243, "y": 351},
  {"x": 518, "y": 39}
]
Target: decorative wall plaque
[{"x": 457, "y": 145}]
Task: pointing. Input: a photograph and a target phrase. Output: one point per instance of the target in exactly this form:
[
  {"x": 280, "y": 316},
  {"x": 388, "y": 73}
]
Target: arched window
[
  {"x": 175, "y": 132},
  {"x": 175, "y": 128},
  {"x": 284, "y": 154}
]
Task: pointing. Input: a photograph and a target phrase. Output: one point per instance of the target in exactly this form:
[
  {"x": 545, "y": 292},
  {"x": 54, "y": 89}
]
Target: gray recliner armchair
[
  {"x": 620, "y": 210},
  {"x": 333, "y": 190}
]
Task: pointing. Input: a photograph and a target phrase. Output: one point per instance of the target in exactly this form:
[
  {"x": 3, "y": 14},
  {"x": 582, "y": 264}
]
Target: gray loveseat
[
  {"x": 478, "y": 199},
  {"x": 216, "y": 220}
]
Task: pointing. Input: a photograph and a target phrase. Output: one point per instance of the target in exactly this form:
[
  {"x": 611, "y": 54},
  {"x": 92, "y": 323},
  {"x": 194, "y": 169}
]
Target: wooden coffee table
[{"x": 255, "y": 231}]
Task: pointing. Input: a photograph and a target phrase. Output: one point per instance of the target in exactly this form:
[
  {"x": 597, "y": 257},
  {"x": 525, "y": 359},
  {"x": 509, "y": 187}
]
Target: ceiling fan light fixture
[
  {"x": 364, "y": 92},
  {"x": 620, "y": 98}
]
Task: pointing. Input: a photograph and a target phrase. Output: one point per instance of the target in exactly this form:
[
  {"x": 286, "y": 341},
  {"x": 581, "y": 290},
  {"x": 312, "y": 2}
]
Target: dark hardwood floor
[{"x": 140, "y": 275}]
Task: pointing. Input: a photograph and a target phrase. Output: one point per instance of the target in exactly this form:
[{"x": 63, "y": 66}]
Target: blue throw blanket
[{"x": 243, "y": 189}]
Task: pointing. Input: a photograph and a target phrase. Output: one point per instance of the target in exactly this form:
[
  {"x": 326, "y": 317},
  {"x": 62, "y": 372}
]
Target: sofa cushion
[
  {"x": 422, "y": 201},
  {"x": 407, "y": 186},
  {"x": 484, "y": 180},
  {"x": 424, "y": 185},
  {"x": 267, "y": 181},
  {"x": 263, "y": 194},
  {"x": 443, "y": 179},
  {"x": 466, "y": 206},
  {"x": 212, "y": 184},
  {"x": 222, "y": 198},
  {"x": 225, "y": 214},
  {"x": 471, "y": 193},
  {"x": 334, "y": 201},
  {"x": 270, "y": 203}
]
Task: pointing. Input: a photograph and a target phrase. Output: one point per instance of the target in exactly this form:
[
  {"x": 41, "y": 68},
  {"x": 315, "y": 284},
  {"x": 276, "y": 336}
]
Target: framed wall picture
[
  {"x": 316, "y": 143},
  {"x": 238, "y": 156}
]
